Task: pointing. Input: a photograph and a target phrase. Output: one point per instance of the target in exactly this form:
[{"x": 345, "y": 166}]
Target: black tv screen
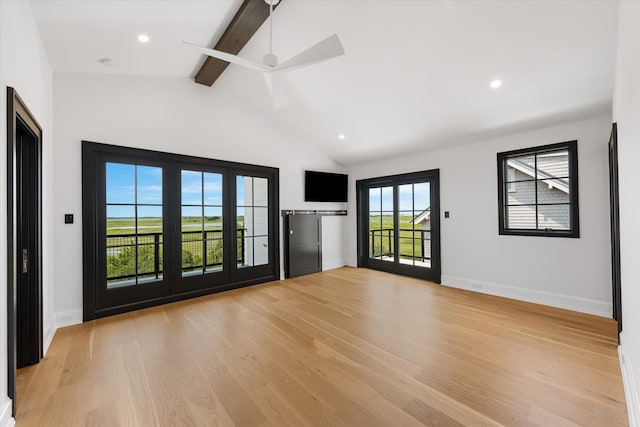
[{"x": 325, "y": 187}]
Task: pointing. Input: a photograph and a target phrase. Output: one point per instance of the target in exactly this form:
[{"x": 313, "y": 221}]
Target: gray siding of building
[{"x": 523, "y": 193}]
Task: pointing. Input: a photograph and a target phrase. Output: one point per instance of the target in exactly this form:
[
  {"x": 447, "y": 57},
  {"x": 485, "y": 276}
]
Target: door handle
[{"x": 25, "y": 260}]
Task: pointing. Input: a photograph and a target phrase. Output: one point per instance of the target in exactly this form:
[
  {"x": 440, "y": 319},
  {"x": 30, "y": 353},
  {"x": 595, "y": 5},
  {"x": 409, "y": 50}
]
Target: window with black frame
[
  {"x": 158, "y": 227},
  {"x": 133, "y": 224},
  {"x": 538, "y": 191}
]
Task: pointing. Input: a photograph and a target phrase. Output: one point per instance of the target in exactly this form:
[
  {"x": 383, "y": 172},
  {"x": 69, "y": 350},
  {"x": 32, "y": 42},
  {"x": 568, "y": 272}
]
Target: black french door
[
  {"x": 202, "y": 235},
  {"x": 399, "y": 224},
  {"x": 130, "y": 211},
  {"x": 161, "y": 227},
  {"x": 255, "y": 224}
]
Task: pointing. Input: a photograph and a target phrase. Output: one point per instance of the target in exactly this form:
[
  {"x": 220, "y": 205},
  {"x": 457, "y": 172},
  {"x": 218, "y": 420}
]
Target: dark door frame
[
  {"x": 615, "y": 227},
  {"x": 362, "y": 202},
  {"x": 95, "y": 155},
  {"x": 18, "y": 113}
]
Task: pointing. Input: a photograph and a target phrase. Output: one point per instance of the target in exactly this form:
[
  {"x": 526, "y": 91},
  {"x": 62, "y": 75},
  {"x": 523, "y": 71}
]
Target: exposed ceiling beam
[{"x": 245, "y": 23}]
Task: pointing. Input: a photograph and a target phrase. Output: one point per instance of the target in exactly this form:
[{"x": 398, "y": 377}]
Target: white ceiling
[{"x": 415, "y": 75}]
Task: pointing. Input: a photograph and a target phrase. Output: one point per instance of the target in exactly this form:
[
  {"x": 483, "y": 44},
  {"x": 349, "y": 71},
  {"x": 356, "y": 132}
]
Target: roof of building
[
  {"x": 553, "y": 171},
  {"x": 425, "y": 215}
]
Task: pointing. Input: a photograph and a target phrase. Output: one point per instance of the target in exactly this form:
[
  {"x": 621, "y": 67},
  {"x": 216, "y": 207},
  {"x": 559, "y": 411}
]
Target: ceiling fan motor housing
[{"x": 270, "y": 59}]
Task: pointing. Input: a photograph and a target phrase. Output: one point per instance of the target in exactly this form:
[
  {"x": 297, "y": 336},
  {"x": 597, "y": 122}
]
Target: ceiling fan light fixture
[{"x": 270, "y": 59}]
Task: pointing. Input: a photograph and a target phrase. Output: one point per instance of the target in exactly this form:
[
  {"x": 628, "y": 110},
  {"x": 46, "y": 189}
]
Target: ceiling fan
[{"x": 270, "y": 68}]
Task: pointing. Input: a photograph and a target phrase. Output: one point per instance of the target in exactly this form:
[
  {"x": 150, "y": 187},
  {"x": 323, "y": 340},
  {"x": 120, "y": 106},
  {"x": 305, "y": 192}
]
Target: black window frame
[
  {"x": 574, "y": 207},
  {"x": 434, "y": 273},
  {"x": 173, "y": 286}
]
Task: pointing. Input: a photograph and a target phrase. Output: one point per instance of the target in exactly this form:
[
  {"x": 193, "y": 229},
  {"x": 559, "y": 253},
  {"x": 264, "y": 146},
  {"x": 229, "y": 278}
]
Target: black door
[
  {"x": 131, "y": 228},
  {"x": 254, "y": 225},
  {"x": 615, "y": 227},
  {"x": 303, "y": 245},
  {"x": 160, "y": 227},
  {"x": 203, "y": 236},
  {"x": 399, "y": 224},
  {"x": 28, "y": 308},
  {"x": 24, "y": 239}
]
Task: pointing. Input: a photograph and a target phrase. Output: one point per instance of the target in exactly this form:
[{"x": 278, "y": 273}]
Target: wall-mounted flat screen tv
[{"x": 325, "y": 187}]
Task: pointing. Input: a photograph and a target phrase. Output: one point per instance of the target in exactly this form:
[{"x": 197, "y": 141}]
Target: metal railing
[
  {"x": 149, "y": 265},
  {"x": 381, "y": 243}
]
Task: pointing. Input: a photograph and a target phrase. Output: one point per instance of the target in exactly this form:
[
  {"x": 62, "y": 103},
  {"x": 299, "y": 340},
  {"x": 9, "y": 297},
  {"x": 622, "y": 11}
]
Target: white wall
[
  {"x": 564, "y": 272},
  {"x": 626, "y": 112},
  {"x": 173, "y": 115},
  {"x": 24, "y": 66}
]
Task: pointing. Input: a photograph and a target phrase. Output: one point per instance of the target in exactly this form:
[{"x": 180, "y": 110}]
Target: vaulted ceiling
[{"x": 415, "y": 75}]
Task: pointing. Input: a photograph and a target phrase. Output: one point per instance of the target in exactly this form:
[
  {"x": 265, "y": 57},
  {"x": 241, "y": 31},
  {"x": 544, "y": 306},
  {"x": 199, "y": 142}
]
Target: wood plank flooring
[{"x": 347, "y": 347}]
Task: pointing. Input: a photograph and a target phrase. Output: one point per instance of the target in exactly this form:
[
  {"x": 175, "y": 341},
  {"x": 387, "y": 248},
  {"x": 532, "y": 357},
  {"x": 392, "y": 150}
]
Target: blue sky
[
  {"x": 413, "y": 197},
  {"x": 121, "y": 180}
]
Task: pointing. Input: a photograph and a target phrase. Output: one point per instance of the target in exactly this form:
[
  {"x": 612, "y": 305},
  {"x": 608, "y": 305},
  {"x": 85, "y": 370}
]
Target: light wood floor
[{"x": 344, "y": 347}]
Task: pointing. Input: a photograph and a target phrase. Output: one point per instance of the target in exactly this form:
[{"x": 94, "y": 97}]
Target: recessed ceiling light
[
  {"x": 143, "y": 38},
  {"x": 341, "y": 136},
  {"x": 495, "y": 84}
]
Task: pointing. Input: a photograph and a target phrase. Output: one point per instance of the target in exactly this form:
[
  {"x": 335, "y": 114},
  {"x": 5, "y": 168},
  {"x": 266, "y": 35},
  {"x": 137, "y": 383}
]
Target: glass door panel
[
  {"x": 381, "y": 224},
  {"x": 202, "y": 223},
  {"x": 201, "y": 244},
  {"x": 131, "y": 231},
  {"x": 415, "y": 224},
  {"x": 256, "y": 227},
  {"x": 252, "y": 221},
  {"x": 134, "y": 232}
]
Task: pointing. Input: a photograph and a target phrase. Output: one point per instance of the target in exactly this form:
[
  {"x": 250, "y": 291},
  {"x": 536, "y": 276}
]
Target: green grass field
[
  {"x": 121, "y": 257},
  {"x": 118, "y": 226},
  {"x": 409, "y": 238}
]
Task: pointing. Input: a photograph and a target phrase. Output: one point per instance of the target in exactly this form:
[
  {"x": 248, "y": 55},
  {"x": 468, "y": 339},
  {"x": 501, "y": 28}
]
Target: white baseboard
[
  {"x": 48, "y": 337},
  {"x": 330, "y": 265},
  {"x": 351, "y": 262},
  {"x": 583, "y": 305},
  {"x": 630, "y": 385},
  {"x": 6, "y": 420},
  {"x": 68, "y": 318}
]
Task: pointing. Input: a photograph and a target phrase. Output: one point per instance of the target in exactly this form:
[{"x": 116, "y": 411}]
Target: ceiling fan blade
[
  {"x": 275, "y": 90},
  {"x": 234, "y": 59},
  {"x": 326, "y": 49}
]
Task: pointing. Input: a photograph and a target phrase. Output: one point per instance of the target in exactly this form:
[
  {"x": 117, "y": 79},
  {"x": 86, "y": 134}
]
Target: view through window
[{"x": 538, "y": 191}]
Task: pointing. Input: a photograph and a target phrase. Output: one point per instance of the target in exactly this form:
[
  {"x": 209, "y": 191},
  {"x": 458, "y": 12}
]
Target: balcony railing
[
  {"x": 205, "y": 247},
  {"x": 381, "y": 244}
]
